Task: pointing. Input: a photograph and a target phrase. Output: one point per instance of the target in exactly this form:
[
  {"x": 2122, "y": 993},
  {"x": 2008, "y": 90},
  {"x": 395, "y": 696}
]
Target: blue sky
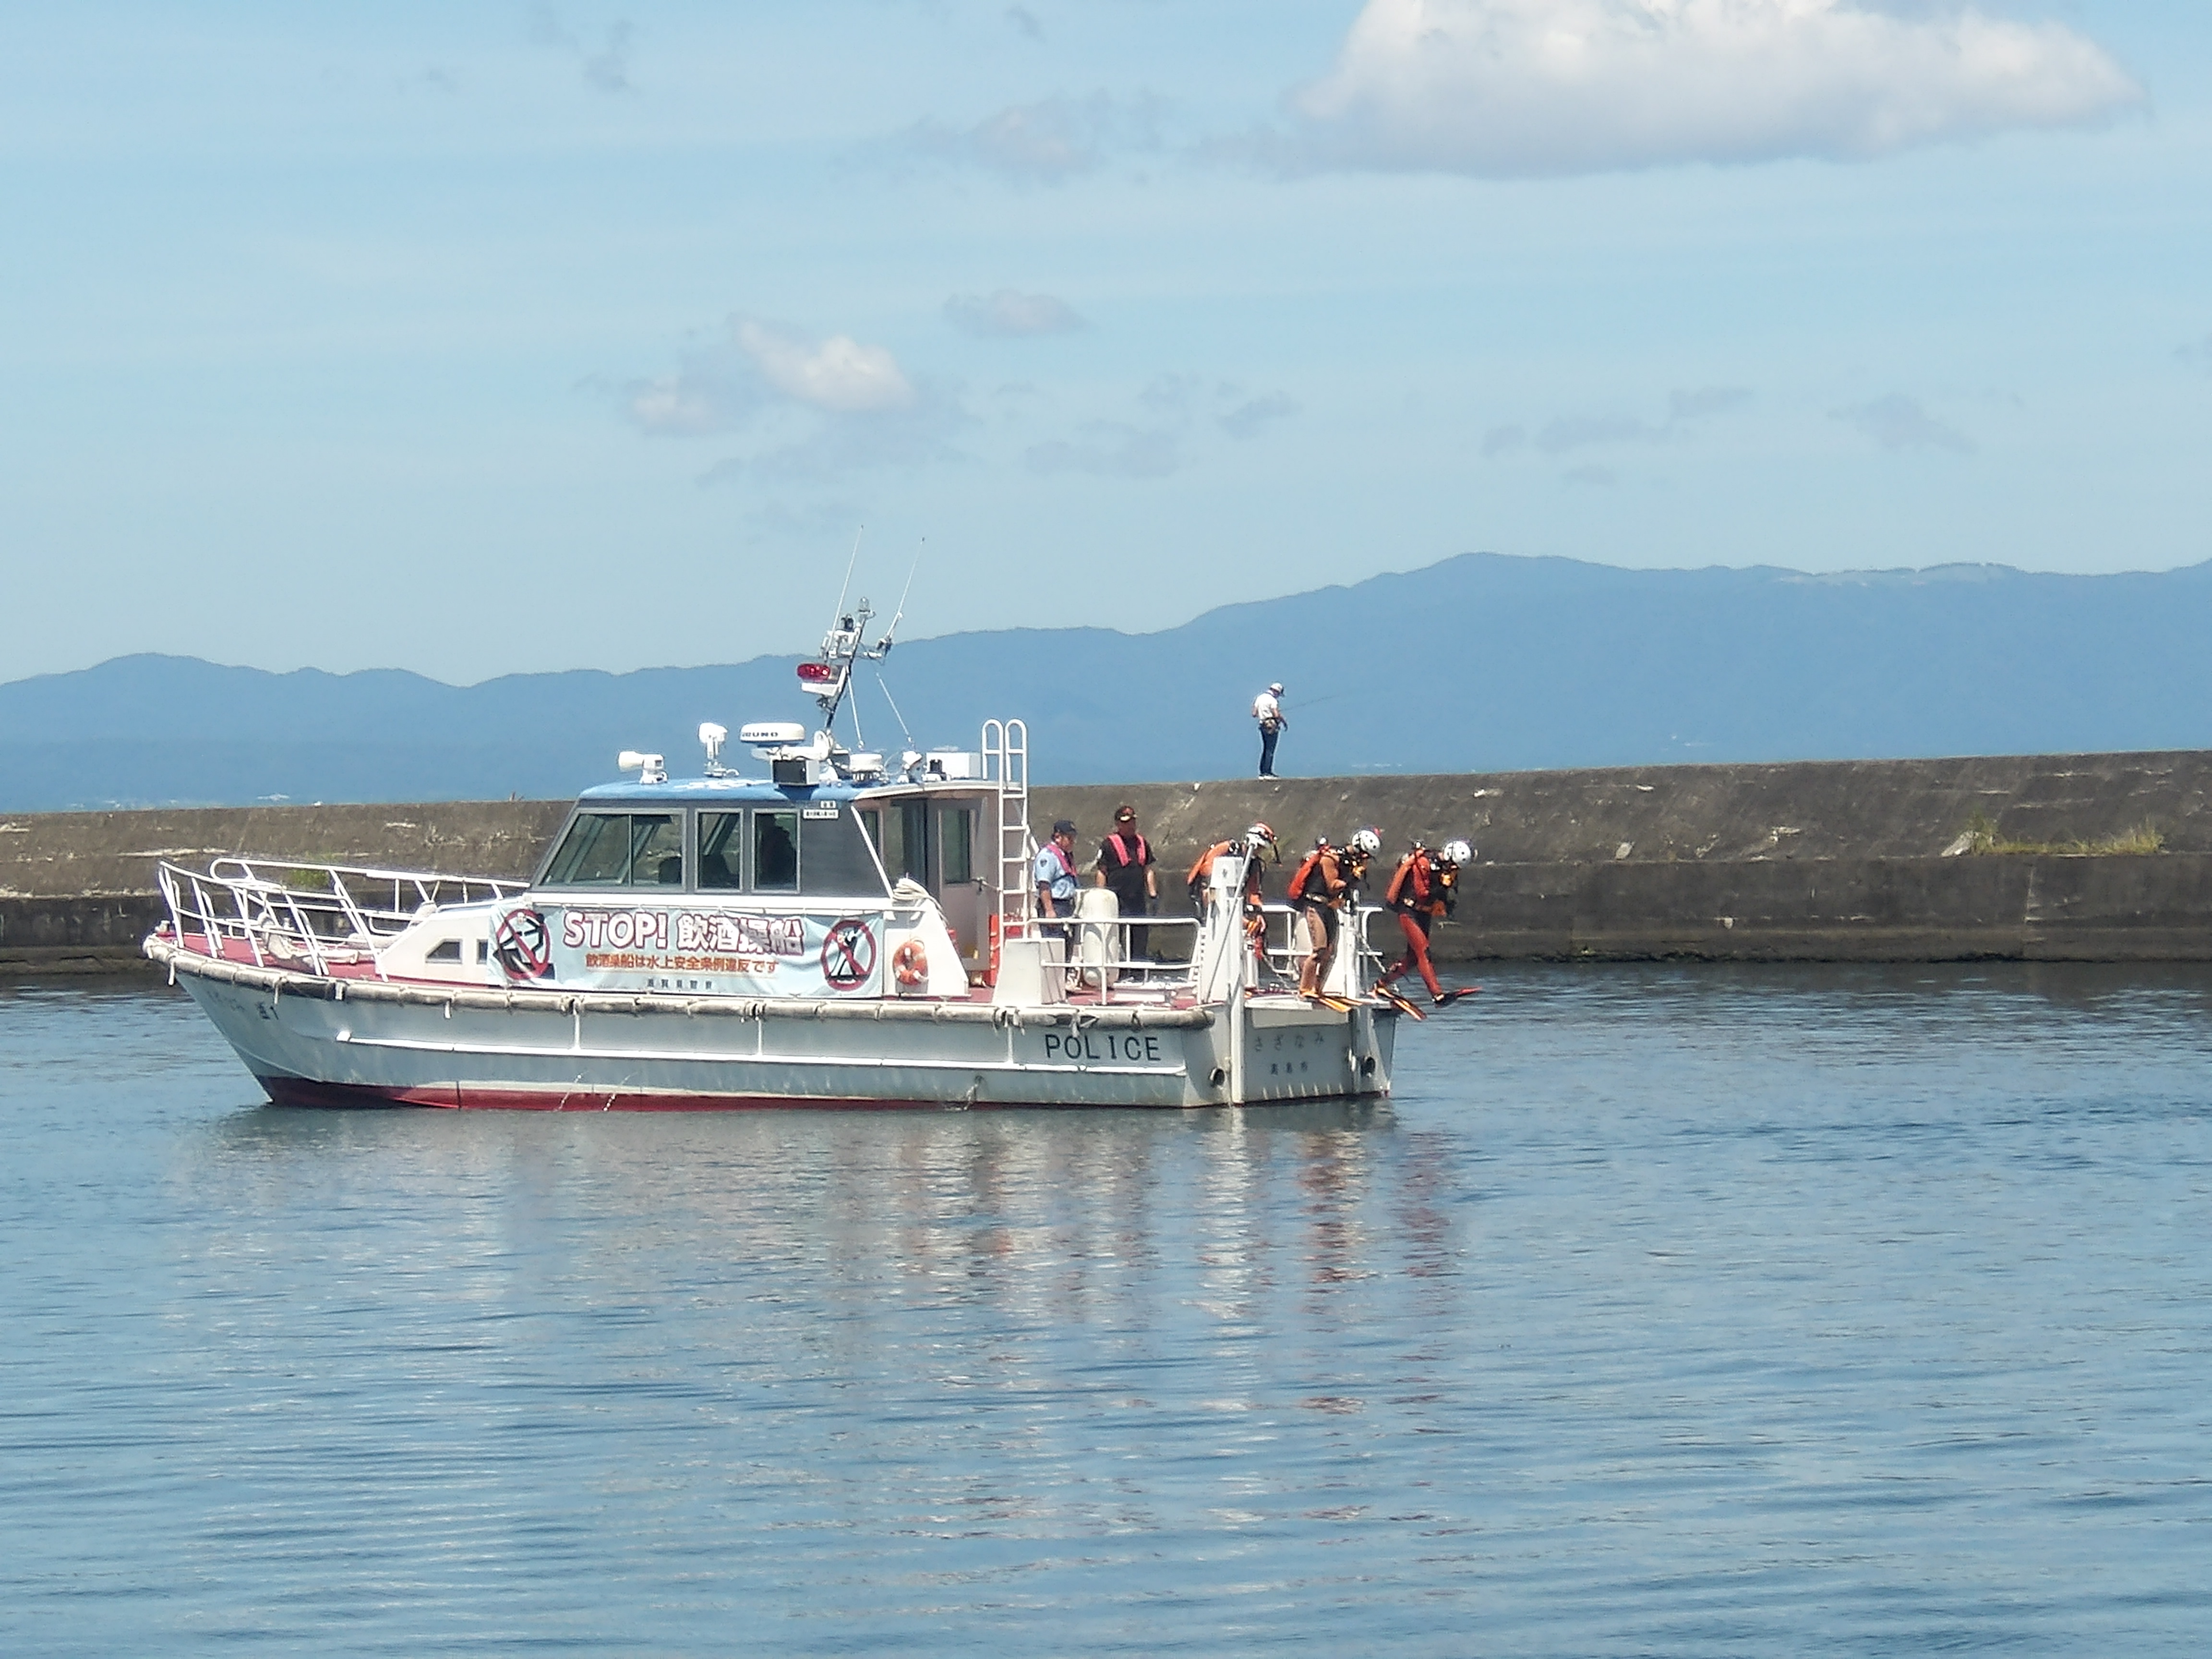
[{"x": 477, "y": 339}]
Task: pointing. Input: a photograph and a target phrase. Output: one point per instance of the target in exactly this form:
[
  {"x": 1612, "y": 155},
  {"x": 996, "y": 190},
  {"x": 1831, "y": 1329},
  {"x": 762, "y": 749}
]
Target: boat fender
[{"x": 910, "y": 963}]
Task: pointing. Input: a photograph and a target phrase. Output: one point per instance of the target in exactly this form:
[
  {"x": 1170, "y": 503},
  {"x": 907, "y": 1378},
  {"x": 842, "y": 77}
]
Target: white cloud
[
  {"x": 682, "y": 404},
  {"x": 1523, "y": 87},
  {"x": 1706, "y": 400},
  {"x": 840, "y": 375},
  {"x": 1572, "y": 432},
  {"x": 1899, "y": 422},
  {"x": 1007, "y": 314},
  {"x": 1171, "y": 396},
  {"x": 759, "y": 370},
  {"x": 834, "y": 449},
  {"x": 606, "y": 69},
  {"x": 1112, "y": 450},
  {"x": 1252, "y": 417},
  {"x": 1580, "y": 431},
  {"x": 1046, "y": 143}
]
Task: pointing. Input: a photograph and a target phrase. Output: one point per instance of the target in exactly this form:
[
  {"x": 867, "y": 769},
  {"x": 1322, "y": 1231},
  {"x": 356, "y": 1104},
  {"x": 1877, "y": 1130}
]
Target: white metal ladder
[{"x": 1006, "y": 763}]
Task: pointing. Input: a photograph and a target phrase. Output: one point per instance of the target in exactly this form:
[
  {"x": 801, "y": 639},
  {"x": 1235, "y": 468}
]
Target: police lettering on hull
[{"x": 1094, "y": 1048}]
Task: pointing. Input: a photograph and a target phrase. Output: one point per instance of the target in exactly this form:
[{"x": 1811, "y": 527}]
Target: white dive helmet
[
  {"x": 1367, "y": 842},
  {"x": 1260, "y": 835},
  {"x": 1456, "y": 851}
]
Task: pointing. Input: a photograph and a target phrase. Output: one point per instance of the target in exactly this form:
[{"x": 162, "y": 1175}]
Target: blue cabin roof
[{"x": 680, "y": 791}]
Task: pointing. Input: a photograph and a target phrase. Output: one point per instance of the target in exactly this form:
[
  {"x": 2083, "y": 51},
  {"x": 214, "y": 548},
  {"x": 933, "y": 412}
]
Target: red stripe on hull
[{"x": 300, "y": 1092}]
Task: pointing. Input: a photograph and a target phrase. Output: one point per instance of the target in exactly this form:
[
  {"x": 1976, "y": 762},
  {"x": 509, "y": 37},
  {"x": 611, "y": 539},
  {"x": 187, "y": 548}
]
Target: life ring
[
  {"x": 910, "y": 963},
  {"x": 991, "y": 964}
]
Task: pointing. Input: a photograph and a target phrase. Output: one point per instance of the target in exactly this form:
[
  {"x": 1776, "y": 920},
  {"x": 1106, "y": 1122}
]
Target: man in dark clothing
[{"x": 1125, "y": 867}]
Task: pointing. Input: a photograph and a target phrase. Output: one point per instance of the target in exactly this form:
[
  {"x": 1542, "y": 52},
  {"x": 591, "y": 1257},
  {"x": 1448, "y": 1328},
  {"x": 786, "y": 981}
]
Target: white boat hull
[{"x": 312, "y": 1040}]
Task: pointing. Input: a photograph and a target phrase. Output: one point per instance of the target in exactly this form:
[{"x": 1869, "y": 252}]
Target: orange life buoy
[{"x": 910, "y": 963}]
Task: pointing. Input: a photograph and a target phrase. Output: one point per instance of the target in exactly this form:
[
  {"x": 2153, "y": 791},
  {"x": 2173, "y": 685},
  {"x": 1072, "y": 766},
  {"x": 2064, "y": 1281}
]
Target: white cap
[{"x": 1276, "y": 688}]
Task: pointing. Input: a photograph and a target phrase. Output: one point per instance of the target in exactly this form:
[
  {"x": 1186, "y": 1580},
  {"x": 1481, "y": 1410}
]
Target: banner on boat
[{"x": 638, "y": 948}]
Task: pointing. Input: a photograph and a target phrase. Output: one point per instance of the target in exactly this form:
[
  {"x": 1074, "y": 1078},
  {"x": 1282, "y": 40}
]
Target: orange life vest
[
  {"x": 1197, "y": 871},
  {"x": 1398, "y": 878},
  {"x": 1411, "y": 886}
]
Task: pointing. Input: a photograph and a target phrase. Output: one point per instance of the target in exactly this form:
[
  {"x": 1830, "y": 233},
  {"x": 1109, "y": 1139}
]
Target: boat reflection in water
[{"x": 1055, "y": 1219}]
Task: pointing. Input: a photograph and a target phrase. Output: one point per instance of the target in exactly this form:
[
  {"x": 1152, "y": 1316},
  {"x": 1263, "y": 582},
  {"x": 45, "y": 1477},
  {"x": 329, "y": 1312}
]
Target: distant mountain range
[{"x": 1481, "y": 663}]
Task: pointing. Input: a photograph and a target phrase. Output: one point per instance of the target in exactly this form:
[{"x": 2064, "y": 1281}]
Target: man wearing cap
[
  {"x": 1055, "y": 873},
  {"x": 1125, "y": 866},
  {"x": 1267, "y": 709}
]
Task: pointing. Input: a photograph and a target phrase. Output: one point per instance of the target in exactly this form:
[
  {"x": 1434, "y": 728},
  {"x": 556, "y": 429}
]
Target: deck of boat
[{"x": 350, "y": 964}]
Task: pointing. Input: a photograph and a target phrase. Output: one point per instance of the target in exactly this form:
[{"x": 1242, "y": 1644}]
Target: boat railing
[
  {"x": 1286, "y": 947},
  {"x": 1145, "y": 958},
  {"x": 316, "y": 916},
  {"x": 1128, "y": 958}
]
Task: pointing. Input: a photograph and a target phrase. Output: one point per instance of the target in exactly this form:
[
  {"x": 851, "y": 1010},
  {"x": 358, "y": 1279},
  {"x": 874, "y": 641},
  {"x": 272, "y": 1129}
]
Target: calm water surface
[{"x": 1662, "y": 1312}]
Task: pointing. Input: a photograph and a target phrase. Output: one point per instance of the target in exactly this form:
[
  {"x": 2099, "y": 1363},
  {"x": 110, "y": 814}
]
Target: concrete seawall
[{"x": 1828, "y": 861}]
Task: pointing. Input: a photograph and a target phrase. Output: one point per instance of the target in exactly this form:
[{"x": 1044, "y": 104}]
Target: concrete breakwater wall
[{"x": 1841, "y": 860}]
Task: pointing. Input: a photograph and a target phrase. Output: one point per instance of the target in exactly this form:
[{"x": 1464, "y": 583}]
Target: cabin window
[
  {"x": 837, "y": 862},
  {"x": 900, "y": 840},
  {"x": 913, "y": 832},
  {"x": 657, "y": 855},
  {"x": 775, "y": 852},
  {"x": 595, "y": 854},
  {"x": 614, "y": 849},
  {"x": 900, "y": 833},
  {"x": 445, "y": 950},
  {"x": 721, "y": 845},
  {"x": 955, "y": 831},
  {"x": 919, "y": 840}
]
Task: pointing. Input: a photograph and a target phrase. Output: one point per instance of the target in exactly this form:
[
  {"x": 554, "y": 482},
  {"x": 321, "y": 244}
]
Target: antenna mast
[{"x": 829, "y": 675}]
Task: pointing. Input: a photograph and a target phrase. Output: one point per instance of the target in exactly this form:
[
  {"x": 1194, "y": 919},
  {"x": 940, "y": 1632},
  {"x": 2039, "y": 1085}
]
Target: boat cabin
[{"x": 810, "y": 844}]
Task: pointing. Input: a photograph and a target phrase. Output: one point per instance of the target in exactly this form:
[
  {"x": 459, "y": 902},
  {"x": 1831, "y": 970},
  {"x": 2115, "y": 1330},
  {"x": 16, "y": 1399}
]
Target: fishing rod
[
  {"x": 846, "y": 587},
  {"x": 904, "y": 732},
  {"x": 884, "y": 645},
  {"x": 845, "y": 645}
]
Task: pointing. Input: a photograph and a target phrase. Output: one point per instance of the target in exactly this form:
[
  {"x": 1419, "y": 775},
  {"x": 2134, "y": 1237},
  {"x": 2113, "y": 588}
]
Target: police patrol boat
[{"x": 836, "y": 932}]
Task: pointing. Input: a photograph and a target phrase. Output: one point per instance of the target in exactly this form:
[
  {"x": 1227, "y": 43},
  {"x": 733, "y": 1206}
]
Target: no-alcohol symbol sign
[
  {"x": 523, "y": 944},
  {"x": 849, "y": 955}
]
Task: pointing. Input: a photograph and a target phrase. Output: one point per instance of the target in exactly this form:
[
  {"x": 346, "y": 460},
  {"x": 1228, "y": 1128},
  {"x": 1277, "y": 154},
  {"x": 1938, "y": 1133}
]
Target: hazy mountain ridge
[{"x": 1482, "y": 662}]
